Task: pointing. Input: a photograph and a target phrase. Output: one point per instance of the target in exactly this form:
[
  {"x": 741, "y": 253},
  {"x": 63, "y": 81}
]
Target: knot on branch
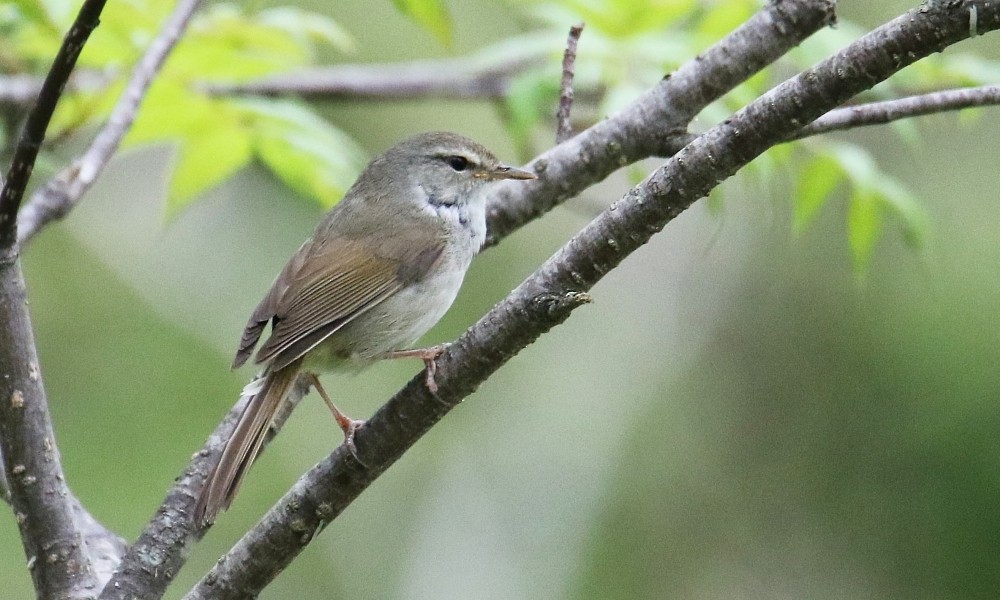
[{"x": 560, "y": 304}]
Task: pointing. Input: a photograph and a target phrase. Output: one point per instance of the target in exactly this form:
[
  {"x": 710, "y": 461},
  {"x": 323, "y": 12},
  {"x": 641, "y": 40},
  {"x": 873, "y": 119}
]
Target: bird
[{"x": 379, "y": 270}]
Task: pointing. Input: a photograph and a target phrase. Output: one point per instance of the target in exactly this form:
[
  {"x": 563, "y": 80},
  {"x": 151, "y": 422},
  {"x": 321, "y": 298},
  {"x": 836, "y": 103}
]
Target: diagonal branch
[
  {"x": 547, "y": 297},
  {"x": 66, "y": 189},
  {"x": 880, "y": 113}
]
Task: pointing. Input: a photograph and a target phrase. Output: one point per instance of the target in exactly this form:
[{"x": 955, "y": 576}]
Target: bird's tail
[{"x": 243, "y": 446}]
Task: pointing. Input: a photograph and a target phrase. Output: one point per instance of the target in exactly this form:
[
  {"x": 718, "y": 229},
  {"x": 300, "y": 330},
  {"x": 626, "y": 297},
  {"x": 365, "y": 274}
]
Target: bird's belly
[{"x": 393, "y": 324}]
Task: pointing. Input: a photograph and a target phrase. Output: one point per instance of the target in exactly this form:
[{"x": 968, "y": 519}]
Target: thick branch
[
  {"x": 43, "y": 506},
  {"x": 879, "y": 113},
  {"x": 546, "y": 298},
  {"x": 656, "y": 123},
  {"x": 66, "y": 189}
]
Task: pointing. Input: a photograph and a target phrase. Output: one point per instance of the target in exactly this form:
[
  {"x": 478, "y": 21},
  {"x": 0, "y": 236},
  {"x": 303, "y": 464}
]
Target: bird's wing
[{"x": 322, "y": 288}]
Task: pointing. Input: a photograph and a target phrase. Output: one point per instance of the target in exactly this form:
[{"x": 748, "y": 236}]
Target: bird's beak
[{"x": 505, "y": 172}]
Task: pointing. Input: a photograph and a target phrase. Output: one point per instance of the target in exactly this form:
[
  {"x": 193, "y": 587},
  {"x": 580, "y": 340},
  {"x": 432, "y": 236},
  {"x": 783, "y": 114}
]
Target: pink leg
[
  {"x": 346, "y": 424},
  {"x": 428, "y": 355}
]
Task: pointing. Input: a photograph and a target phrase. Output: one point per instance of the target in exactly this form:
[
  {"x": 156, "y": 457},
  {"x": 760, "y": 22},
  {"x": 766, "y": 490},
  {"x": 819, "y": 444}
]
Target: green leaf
[
  {"x": 856, "y": 163},
  {"x": 430, "y": 14},
  {"x": 908, "y": 131},
  {"x": 864, "y": 225},
  {"x": 206, "y": 160},
  {"x": 307, "y": 153},
  {"x": 58, "y": 13},
  {"x": 715, "y": 201},
  {"x": 171, "y": 111},
  {"x": 817, "y": 181}
]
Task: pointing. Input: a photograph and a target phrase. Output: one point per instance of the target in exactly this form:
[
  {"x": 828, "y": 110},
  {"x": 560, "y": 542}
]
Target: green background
[{"x": 736, "y": 414}]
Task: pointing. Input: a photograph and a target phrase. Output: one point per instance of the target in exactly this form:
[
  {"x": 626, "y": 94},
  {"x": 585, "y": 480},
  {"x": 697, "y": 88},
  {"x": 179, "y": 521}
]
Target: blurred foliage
[{"x": 215, "y": 136}]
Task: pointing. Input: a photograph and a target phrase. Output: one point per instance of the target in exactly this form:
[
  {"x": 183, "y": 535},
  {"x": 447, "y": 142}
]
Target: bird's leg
[
  {"x": 428, "y": 355},
  {"x": 346, "y": 424}
]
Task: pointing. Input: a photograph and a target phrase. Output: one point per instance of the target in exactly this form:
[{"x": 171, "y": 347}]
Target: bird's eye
[{"x": 459, "y": 163}]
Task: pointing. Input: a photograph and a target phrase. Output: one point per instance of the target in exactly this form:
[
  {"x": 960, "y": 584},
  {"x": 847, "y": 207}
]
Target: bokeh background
[{"x": 737, "y": 414}]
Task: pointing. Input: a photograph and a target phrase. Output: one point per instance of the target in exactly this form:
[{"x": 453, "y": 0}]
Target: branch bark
[
  {"x": 547, "y": 297},
  {"x": 564, "y": 128}
]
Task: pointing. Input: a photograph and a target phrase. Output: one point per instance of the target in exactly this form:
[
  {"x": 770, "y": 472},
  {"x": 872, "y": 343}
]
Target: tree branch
[
  {"x": 65, "y": 190},
  {"x": 43, "y": 506},
  {"x": 455, "y": 78},
  {"x": 879, "y": 113},
  {"x": 547, "y": 297},
  {"x": 564, "y": 128}
]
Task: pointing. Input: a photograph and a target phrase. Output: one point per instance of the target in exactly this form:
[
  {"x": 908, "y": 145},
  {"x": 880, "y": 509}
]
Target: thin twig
[
  {"x": 4, "y": 486},
  {"x": 887, "y": 111},
  {"x": 451, "y": 78},
  {"x": 38, "y": 119},
  {"x": 66, "y": 189},
  {"x": 19, "y": 90},
  {"x": 564, "y": 129}
]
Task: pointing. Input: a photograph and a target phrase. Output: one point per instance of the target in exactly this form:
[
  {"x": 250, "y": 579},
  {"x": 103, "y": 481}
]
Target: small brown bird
[{"x": 380, "y": 269}]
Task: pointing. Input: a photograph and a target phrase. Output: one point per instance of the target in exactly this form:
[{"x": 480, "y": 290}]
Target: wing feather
[{"x": 333, "y": 279}]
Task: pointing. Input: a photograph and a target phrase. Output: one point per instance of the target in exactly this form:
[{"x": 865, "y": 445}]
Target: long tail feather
[{"x": 243, "y": 446}]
